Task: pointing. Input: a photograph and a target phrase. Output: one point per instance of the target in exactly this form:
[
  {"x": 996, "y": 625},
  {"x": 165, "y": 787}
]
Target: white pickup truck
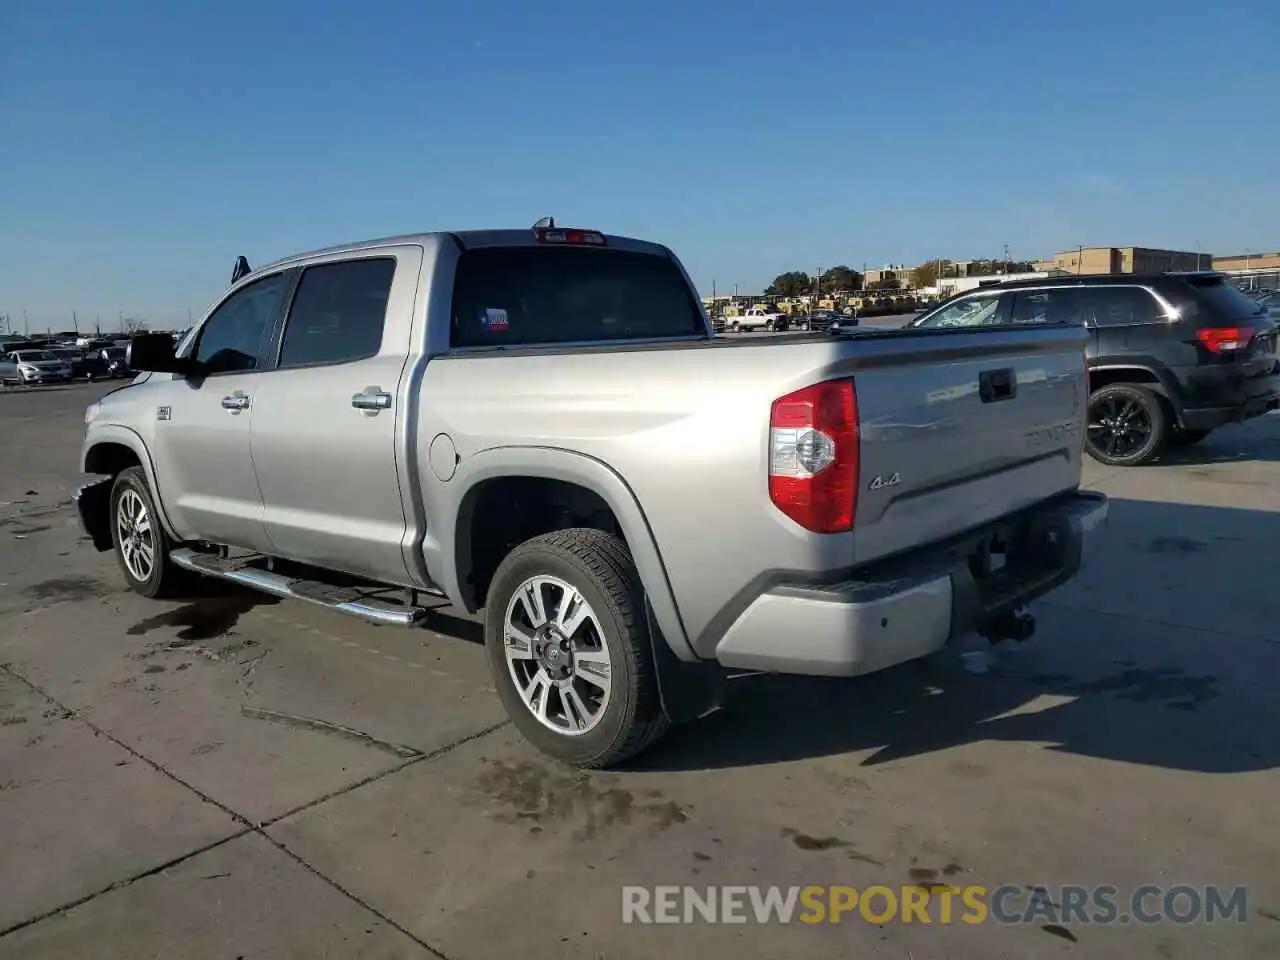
[
  {"x": 757, "y": 318},
  {"x": 540, "y": 424}
]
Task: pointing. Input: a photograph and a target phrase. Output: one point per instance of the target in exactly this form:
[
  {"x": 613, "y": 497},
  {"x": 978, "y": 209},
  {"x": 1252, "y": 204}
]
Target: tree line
[{"x": 843, "y": 279}]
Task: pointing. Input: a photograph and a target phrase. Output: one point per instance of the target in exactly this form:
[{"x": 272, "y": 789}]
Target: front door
[
  {"x": 201, "y": 449},
  {"x": 325, "y": 419}
]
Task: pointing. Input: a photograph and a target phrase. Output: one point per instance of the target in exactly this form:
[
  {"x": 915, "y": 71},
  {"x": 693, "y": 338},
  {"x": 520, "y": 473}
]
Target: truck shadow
[{"x": 1163, "y": 652}]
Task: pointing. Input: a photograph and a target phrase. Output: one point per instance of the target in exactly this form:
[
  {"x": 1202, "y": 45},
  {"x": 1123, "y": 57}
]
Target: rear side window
[
  {"x": 1213, "y": 298},
  {"x": 338, "y": 312},
  {"x": 1119, "y": 306},
  {"x": 517, "y": 296}
]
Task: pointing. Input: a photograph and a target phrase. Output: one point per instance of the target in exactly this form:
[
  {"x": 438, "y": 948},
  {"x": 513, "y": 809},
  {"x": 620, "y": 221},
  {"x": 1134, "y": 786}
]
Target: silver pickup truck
[{"x": 540, "y": 424}]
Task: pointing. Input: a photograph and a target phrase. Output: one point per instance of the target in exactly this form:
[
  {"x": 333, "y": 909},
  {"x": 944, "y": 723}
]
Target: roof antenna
[
  {"x": 240, "y": 270},
  {"x": 546, "y": 223}
]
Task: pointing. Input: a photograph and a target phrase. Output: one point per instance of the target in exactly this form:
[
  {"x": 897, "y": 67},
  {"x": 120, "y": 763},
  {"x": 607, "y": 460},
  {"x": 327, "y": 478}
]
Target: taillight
[
  {"x": 1225, "y": 339},
  {"x": 813, "y": 456}
]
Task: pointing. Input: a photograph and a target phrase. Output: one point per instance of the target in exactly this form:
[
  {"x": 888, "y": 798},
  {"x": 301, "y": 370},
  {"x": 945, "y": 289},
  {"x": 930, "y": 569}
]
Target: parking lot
[{"x": 237, "y": 776}]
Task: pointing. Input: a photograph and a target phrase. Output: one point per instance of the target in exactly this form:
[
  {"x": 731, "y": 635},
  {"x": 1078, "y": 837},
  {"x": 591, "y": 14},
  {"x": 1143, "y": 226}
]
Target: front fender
[
  {"x": 103, "y": 433},
  {"x": 553, "y": 463}
]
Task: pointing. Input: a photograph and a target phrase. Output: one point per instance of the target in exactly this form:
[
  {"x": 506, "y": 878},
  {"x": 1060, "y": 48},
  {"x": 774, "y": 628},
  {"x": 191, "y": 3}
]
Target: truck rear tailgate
[{"x": 961, "y": 427}]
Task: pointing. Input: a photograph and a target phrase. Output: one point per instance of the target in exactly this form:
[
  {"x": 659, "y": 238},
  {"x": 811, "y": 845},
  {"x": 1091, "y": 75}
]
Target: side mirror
[{"x": 153, "y": 353}]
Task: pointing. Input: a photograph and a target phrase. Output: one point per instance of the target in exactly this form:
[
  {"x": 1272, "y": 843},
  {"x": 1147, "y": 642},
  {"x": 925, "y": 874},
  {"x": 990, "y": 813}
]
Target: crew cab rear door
[{"x": 328, "y": 412}]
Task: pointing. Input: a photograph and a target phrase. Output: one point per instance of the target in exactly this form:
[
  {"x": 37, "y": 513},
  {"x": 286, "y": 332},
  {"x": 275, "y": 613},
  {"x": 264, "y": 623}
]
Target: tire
[
  {"x": 1127, "y": 425},
  {"x": 1185, "y": 438},
  {"x": 162, "y": 578},
  {"x": 735, "y": 327},
  {"x": 628, "y": 718}
]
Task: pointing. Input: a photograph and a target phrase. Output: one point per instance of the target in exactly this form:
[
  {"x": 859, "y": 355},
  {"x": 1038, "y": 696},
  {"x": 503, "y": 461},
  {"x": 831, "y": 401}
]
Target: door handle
[
  {"x": 235, "y": 403},
  {"x": 995, "y": 385},
  {"x": 372, "y": 399}
]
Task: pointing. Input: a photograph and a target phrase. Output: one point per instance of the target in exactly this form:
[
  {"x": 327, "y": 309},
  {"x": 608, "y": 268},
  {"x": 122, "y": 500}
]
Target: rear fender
[{"x": 556, "y": 464}]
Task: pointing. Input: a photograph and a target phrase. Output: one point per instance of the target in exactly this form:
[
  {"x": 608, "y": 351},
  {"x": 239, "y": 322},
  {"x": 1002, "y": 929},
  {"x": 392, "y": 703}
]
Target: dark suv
[{"x": 1171, "y": 356}]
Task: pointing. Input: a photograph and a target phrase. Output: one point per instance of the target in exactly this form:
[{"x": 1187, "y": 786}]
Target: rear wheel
[
  {"x": 141, "y": 546},
  {"x": 569, "y": 648},
  {"x": 736, "y": 327},
  {"x": 1127, "y": 425}
]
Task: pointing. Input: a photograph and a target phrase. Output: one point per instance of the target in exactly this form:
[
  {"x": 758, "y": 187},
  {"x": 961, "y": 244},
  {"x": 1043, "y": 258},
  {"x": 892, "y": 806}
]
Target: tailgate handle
[{"x": 995, "y": 385}]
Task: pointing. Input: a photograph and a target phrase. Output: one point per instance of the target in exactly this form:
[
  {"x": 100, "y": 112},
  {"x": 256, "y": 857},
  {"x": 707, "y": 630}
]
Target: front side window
[
  {"x": 338, "y": 312},
  {"x": 1048, "y": 306},
  {"x": 973, "y": 312},
  {"x": 231, "y": 339}
]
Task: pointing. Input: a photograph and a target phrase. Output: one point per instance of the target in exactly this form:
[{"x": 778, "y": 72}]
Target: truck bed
[{"x": 685, "y": 425}]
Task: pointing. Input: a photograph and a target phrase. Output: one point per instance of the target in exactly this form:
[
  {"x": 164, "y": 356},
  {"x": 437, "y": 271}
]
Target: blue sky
[{"x": 144, "y": 145}]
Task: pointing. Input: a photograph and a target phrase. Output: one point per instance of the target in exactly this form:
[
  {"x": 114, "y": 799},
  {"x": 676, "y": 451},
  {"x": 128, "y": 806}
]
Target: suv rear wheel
[
  {"x": 1127, "y": 425},
  {"x": 569, "y": 648}
]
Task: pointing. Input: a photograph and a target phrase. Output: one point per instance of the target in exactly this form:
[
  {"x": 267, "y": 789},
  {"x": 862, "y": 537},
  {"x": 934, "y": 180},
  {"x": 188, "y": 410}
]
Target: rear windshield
[
  {"x": 517, "y": 296},
  {"x": 1223, "y": 299}
]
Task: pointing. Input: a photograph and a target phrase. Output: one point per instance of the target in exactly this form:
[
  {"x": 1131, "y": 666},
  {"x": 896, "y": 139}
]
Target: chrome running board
[{"x": 343, "y": 599}]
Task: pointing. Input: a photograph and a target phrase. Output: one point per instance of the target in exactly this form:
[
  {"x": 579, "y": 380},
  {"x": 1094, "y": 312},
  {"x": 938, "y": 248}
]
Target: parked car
[
  {"x": 1171, "y": 356},
  {"x": 8, "y": 370},
  {"x": 520, "y": 421},
  {"x": 116, "y": 361},
  {"x": 822, "y": 321},
  {"x": 40, "y": 366}
]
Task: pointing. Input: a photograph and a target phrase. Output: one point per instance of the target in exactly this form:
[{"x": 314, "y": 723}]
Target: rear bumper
[
  {"x": 867, "y": 625},
  {"x": 1210, "y": 396},
  {"x": 1209, "y": 418}
]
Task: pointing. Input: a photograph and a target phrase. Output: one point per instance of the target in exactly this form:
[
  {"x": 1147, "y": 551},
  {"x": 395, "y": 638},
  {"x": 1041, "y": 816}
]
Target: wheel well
[
  {"x": 1138, "y": 376},
  {"x": 500, "y": 514},
  {"x": 110, "y": 459}
]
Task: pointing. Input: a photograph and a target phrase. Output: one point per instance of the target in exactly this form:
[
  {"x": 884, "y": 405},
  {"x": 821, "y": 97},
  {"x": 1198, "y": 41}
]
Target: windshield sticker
[{"x": 494, "y": 319}]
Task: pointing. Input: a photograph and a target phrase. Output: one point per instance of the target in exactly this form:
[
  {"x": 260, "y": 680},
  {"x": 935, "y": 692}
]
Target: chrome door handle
[
  {"x": 372, "y": 399},
  {"x": 236, "y": 402}
]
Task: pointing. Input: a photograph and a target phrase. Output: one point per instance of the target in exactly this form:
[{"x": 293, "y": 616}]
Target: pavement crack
[
  {"x": 246, "y": 825},
  {"x": 122, "y": 883},
  {"x": 333, "y": 729}
]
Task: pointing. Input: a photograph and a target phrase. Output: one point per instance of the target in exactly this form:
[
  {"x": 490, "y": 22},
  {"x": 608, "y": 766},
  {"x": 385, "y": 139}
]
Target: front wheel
[
  {"x": 569, "y": 648},
  {"x": 141, "y": 547},
  {"x": 1127, "y": 425}
]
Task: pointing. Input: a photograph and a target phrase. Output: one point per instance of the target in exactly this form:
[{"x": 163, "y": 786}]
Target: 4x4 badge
[
  {"x": 164, "y": 413},
  {"x": 879, "y": 482}
]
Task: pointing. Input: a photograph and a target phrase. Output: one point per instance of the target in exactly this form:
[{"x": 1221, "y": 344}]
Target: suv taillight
[
  {"x": 1225, "y": 339},
  {"x": 813, "y": 456}
]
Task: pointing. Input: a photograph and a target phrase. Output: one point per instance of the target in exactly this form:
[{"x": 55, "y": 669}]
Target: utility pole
[
  {"x": 1080, "y": 260},
  {"x": 26, "y": 325},
  {"x": 97, "y": 324},
  {"x": 75, "y": 321}
]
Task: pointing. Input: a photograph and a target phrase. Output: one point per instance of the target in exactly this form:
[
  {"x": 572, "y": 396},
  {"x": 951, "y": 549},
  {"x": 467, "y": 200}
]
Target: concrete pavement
[{"x": 233, "y": 776}]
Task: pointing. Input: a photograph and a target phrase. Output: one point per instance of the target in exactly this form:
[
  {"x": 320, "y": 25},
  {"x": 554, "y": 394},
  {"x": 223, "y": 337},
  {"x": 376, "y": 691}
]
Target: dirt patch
[
  {"x": 531, "y": 791},
  {"x": 66, "y": 588}
]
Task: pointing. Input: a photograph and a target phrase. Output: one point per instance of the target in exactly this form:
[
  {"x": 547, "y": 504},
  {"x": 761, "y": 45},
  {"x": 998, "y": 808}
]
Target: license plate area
[{"x": 1014, "y": 561}]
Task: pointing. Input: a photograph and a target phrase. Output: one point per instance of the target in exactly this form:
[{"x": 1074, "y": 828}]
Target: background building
[
  {"x": 1248, "y": 261},
  {"x": 1126, "y": 260}
]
